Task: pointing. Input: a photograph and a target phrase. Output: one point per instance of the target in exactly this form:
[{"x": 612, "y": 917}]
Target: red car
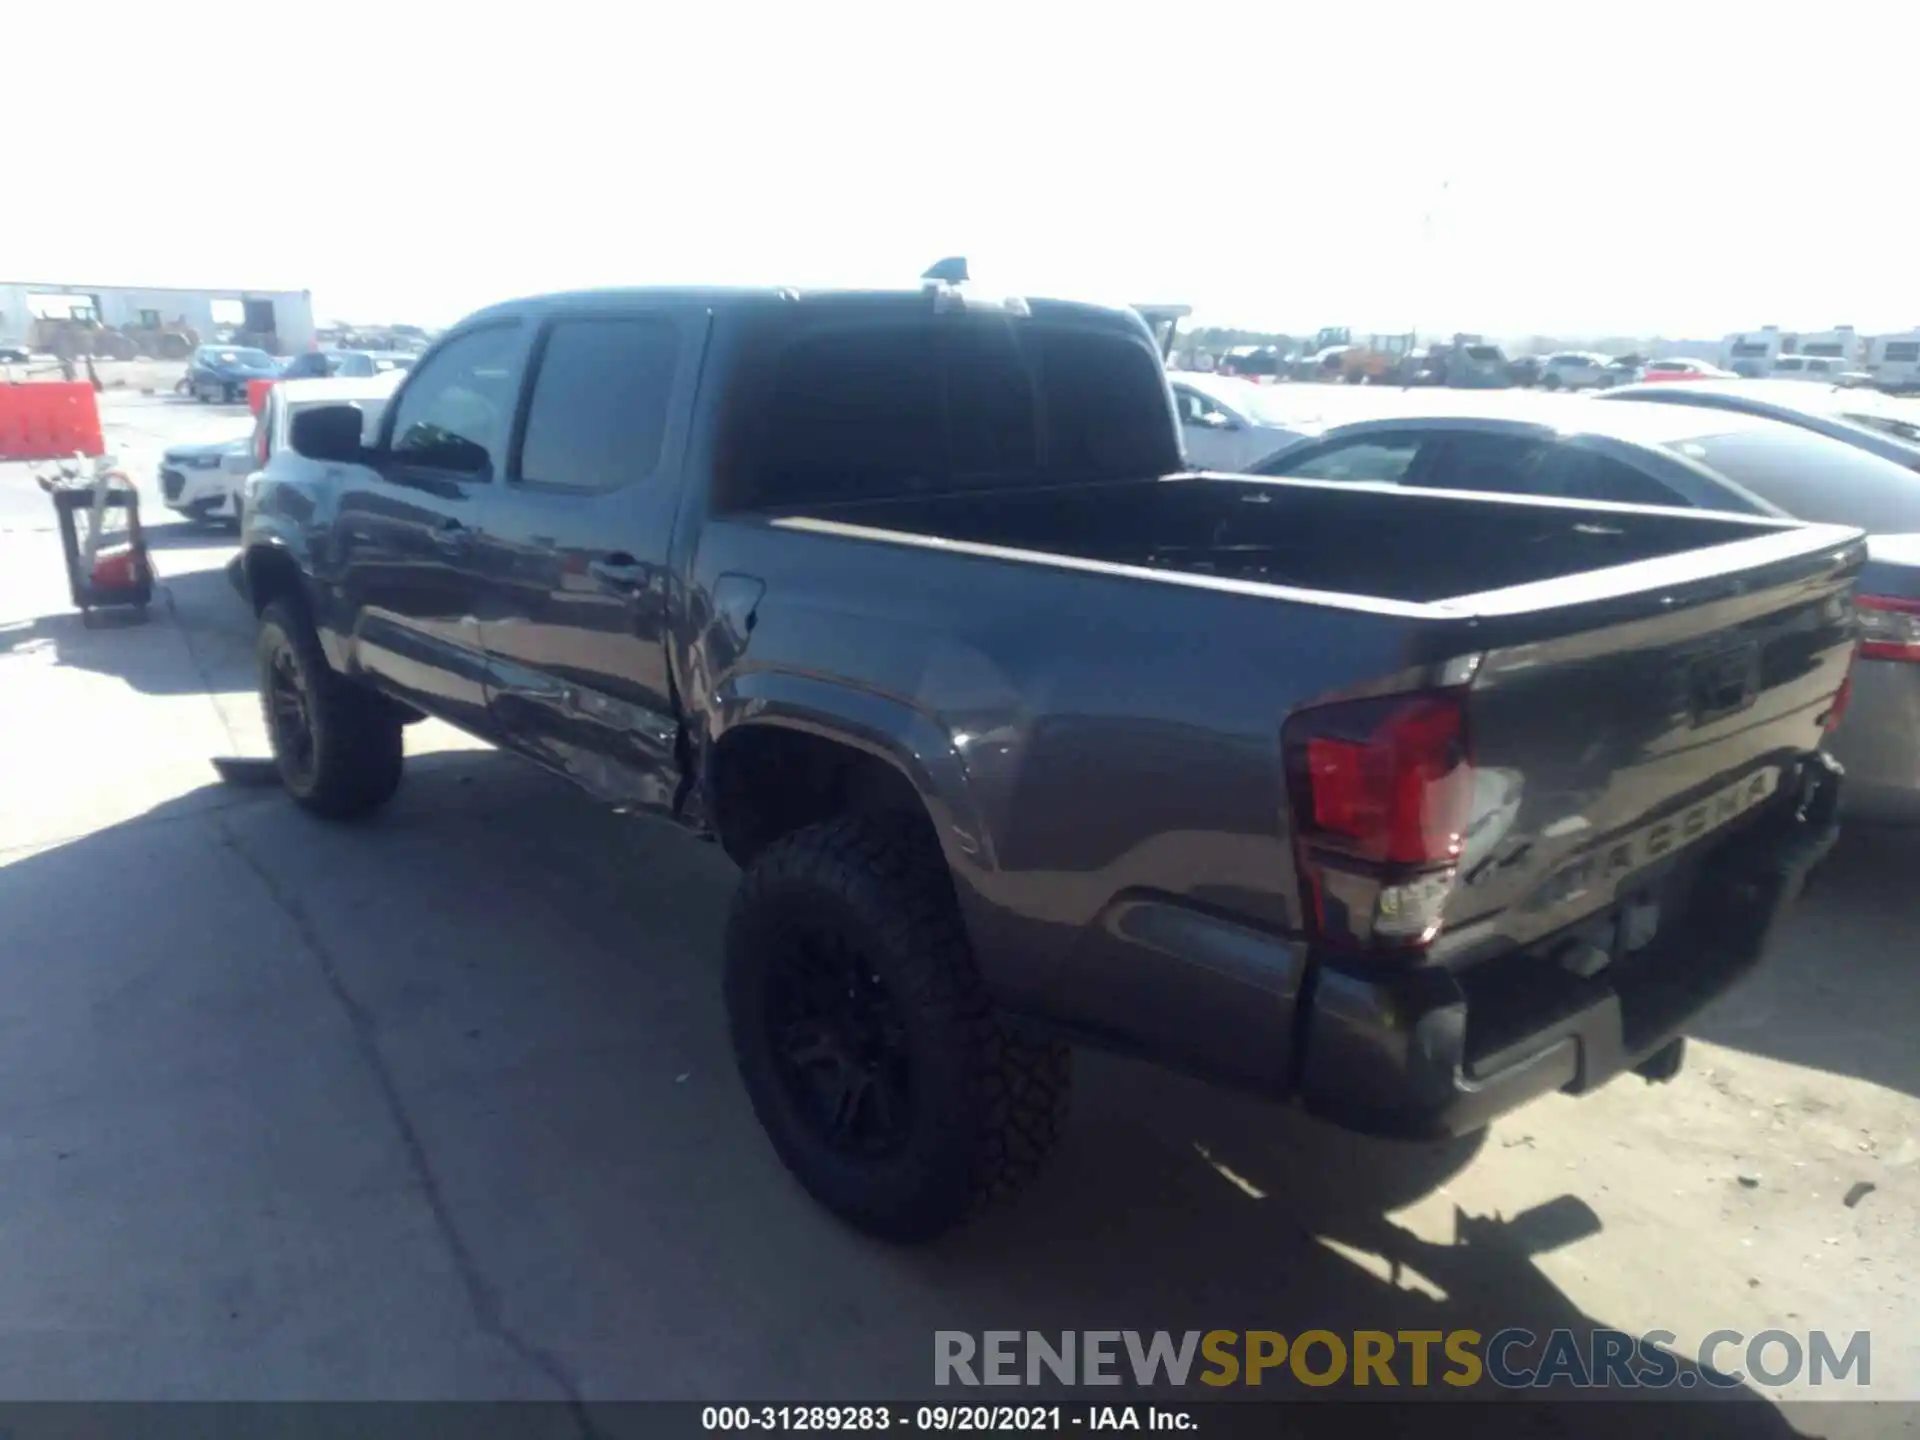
[{"x": 1684, "y": 370}]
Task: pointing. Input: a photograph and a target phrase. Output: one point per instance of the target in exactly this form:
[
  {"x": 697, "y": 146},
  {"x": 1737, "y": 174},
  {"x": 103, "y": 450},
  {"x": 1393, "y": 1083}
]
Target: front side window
[
  {"x": 1501, "y": 464},
  {"x": 455, "y": 412},
  {"x": 600, "y": 403}
]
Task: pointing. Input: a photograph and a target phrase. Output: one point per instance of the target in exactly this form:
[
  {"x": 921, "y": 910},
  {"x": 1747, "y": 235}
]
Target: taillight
[
  {"x": 1889, "y": 628},
  {"x": 1382, "y": 794}
]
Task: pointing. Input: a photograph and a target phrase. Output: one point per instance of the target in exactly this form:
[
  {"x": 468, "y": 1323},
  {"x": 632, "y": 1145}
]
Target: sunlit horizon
[{"x": 1502, "y": 169}]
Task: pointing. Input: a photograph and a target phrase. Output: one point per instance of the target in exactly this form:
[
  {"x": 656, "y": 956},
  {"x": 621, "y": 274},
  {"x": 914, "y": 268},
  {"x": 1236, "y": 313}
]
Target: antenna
[{"x": 951, "y": 271}]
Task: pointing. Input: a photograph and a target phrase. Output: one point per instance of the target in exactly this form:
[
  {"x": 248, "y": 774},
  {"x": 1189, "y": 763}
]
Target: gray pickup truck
[{"x": 1410, "y": 806}]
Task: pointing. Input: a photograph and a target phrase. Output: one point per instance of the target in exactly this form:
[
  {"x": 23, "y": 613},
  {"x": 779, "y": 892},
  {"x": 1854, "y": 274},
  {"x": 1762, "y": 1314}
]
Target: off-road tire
[
  {"x": 988, "y": 1102},
  {"x": 357, "y": 748}
]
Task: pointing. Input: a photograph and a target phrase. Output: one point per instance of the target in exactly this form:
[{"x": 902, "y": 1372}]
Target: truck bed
[{"x": 1410, "y": 546}]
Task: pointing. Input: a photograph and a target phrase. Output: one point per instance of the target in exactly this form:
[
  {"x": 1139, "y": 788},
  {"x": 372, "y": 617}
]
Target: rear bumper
[{"x": 1433, "y": 1053}]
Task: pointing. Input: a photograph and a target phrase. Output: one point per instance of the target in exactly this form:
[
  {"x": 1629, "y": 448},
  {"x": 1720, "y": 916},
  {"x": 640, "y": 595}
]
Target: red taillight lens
[
  {"x": 1382, "y": 794},
  {"x": 1889, "y": 628},
  {"x": 1387, "y": 780}
]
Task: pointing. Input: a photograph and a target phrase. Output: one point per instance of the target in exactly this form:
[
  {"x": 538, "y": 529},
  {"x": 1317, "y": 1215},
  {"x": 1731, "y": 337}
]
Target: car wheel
[
  {"x": 865, "y": 1037},
  {"x": 337, "y": 746}
]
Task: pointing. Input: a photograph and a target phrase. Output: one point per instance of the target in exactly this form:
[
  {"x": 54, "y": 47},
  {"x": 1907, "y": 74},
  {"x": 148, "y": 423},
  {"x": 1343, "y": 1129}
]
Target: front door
[
  {"x": 574, "y": 564},
  {"x": 409, "y": 523}
]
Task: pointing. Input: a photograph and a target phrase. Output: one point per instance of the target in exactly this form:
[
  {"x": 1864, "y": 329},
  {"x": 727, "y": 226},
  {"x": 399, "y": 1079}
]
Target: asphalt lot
[{"x": 441, "y": 1106}]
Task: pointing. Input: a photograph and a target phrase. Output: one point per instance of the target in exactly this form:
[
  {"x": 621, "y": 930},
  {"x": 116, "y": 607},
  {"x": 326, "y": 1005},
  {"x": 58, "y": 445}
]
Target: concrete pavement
[{"x": 440, "y": 1106}]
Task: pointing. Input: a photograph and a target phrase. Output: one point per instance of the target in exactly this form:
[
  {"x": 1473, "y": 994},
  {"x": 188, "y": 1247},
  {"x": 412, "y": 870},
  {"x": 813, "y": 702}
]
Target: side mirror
[{"x": 328, "y": 433}]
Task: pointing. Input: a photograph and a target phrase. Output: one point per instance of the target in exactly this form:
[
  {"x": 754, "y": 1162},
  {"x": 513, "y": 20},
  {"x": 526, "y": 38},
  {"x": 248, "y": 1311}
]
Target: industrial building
[{"x": 276, "y": 320}]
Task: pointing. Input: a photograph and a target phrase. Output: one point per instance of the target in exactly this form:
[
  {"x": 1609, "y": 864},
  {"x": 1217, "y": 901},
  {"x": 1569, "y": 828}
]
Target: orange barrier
[
  {"x": 49, "y": 421},
  {"x": 257, "y": 394}
]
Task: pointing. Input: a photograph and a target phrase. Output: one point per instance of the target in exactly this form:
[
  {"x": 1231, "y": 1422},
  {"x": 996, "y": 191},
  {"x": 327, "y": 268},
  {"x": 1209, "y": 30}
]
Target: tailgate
[{"x": 1658, "y": 718}]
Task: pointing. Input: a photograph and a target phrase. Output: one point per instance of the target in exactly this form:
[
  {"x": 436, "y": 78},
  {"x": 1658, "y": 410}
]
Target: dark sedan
[
  {"x": 1864, "y": 419},
  {"x": 218, "y": 374},
  {"x": 1526, "y": 443}
]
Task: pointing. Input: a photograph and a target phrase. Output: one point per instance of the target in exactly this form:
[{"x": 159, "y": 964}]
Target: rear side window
[
  {"x": 1902, "y": 352},
  {"x": 1381, "y": 459},
  {"x": 900, "y": 406},
  {"x": 598, "y": 416},
  {"x": 1811, "y": 477}
]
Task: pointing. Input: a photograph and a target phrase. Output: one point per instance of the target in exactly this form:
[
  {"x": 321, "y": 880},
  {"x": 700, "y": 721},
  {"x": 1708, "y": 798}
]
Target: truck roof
[{"x": 758, "y": 297}]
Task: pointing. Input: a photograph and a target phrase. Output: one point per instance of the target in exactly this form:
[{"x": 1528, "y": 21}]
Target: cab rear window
[{"x": 914, "y": 404}]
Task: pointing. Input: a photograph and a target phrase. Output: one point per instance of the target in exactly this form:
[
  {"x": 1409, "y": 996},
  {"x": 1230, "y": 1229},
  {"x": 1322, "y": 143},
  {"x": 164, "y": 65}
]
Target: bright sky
[{"x": 1636, "y": 166}]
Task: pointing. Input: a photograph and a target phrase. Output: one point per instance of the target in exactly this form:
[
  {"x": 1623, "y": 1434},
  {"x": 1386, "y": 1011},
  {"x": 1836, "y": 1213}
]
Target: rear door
[
  {"x": 573, "y": 569},
  {"x": 408, "y": 525}
]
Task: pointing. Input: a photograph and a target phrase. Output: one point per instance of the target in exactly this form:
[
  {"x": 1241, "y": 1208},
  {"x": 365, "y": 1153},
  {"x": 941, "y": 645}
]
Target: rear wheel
[
  {"x": 338, "y": 747},
  {"x": 865, "y": 1037}
]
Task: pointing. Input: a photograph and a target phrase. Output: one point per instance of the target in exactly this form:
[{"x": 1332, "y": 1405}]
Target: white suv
[{"x": 1577, "y": 370}]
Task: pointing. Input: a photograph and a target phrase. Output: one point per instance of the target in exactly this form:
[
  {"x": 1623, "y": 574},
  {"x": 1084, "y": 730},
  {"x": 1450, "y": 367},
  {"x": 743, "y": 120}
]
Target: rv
[
  {"x": 1894, "y": 360},
  {"x": 1752, "y": 353}
]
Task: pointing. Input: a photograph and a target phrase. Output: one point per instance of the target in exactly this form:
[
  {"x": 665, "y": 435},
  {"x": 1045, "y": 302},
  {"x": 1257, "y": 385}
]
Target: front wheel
[
  {"x": 337, "y": 746},
  {"x": 865, "y": 1037}
]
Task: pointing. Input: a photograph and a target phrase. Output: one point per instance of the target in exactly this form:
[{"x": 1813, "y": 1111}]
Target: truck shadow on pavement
[
  {"x": 531, "y": 987},
  {"x": 1836, "y": 992}
]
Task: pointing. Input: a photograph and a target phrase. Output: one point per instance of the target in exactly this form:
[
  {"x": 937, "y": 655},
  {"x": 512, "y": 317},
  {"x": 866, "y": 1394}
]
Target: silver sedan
[{"x": 1682, "y": 455}]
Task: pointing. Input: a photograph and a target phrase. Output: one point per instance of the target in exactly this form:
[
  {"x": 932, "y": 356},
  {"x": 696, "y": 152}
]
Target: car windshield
[
  {"x": 1482, "y": 352},
  {"x": 253, "y": 359},
  {"x": 1812, "y": 477}
]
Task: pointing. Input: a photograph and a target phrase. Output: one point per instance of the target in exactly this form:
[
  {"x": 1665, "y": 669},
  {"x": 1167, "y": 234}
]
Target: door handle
[
  {"x": 618, "y": 572},
  {"x": 451, "y": 536}
]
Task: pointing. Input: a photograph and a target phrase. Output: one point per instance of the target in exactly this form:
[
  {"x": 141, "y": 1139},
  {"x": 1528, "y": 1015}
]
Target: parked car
[
  {"x": 1411, "y": 805},
  {"x": 218, "y": 374},
  {"x": 345, "y": 364},
  {"x": 1865, "y": 419},
  {"x": 1228, "y": 423},
  {"x": 1683, "y": 369},
  {"x": 1577, "y": 370},
  {"x": 1476, "y": 366},
  {"x": 14, "y": 354},
  {"x": 270, "y": 457},
  {"x": 1677, "y": 453},
  {"x": 202, "y": 482}
]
